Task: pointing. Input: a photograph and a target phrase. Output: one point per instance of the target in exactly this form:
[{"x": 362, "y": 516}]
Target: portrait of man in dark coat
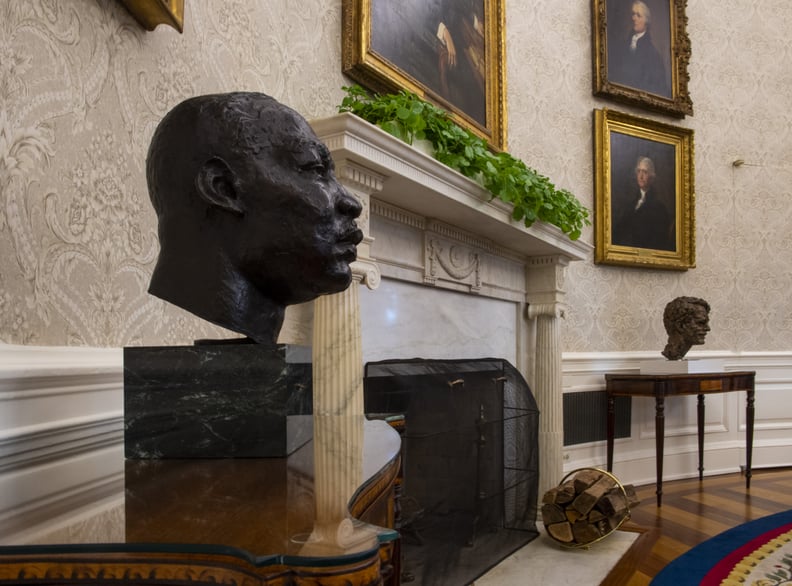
[
  {"x": 634, "y": 59},
  {"x": 643, "y": 220}
]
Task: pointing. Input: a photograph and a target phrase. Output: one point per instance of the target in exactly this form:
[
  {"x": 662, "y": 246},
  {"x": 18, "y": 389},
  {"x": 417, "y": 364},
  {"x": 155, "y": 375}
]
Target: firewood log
[
  {"x": 561, "y": 532},
  {"x": 552, "y": 514},
  {"x": 586, "y": 507},
  {"x": 586, "y": 500}
]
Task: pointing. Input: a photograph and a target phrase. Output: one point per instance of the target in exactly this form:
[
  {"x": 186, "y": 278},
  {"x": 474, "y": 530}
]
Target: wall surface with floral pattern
[{"x": 82, "y": 87}]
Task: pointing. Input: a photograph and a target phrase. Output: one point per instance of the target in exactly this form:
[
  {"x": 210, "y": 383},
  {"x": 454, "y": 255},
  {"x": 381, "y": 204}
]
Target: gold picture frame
[
  {"x": 451, "y": 53},
  {"x": 641, "y": 54},
  {"x": 152, "y": 13},
  {"x": 641, "y": 160}
]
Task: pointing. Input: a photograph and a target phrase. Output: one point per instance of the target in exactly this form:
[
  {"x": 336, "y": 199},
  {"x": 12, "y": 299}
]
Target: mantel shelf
[{"x": 422, "y": 185}]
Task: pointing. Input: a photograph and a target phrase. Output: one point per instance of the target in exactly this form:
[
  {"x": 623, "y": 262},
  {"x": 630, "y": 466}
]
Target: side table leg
[
  {"x": 700, "y": 412},
  {"x": 659, "y": 439},
  {"x": 749, "y": 421},
  {"x": 611, "y": 429}
]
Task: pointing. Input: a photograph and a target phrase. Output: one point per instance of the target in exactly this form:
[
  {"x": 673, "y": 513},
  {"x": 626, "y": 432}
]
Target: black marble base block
[{"x": 216, "y": 401}]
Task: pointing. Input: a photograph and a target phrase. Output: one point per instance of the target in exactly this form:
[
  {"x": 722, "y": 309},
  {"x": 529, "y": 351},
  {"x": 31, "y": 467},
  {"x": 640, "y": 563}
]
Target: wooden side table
[{"x": 661, "y": 386}]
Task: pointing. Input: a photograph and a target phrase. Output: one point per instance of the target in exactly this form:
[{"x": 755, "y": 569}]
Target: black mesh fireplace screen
[{"x": 470, "y": 462}]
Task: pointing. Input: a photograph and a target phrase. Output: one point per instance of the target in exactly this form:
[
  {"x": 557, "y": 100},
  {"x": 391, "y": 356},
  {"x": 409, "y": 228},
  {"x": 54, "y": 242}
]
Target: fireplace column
[
  {"x": 338, "y": 385},
  {"x": 338, "y": 419},
  {"x": 545, "y": 278},
  {"x": 337, "y": 352}
]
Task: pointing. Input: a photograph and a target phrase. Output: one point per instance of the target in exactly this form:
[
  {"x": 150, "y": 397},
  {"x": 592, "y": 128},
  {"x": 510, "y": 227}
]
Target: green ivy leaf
[{"x": 532, "y": 195}]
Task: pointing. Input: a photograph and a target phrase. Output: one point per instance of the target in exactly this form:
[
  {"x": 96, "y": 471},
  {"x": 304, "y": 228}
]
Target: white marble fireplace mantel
[
  {"x": 455, "y": 269},
  {"x": 416, "y": 182}
]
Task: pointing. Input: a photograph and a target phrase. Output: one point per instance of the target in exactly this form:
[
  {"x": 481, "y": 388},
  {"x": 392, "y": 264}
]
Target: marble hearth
[{"x": 449, "y": 273}]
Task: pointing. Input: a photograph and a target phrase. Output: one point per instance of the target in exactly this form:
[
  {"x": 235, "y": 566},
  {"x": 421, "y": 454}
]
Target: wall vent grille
[{"x": 585, "y": 417}]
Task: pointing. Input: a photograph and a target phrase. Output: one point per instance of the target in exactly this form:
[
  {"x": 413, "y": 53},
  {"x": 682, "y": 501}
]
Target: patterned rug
[{"x": 757, "y": 553}]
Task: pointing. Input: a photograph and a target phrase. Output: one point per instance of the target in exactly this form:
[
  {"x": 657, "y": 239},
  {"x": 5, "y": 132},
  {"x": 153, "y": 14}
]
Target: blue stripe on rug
[{"x": 691, "y": 567}]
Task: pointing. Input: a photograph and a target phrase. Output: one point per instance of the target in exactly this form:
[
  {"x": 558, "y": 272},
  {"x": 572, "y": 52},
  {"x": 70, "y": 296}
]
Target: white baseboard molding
[
  {"x": 61, "y": 432},
  {"x": 38, "y": 497},
  {"x": 60, "y": 440}
]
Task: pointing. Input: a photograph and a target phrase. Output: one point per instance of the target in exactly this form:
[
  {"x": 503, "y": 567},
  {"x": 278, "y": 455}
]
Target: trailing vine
[{"x": 409, "y": 118}]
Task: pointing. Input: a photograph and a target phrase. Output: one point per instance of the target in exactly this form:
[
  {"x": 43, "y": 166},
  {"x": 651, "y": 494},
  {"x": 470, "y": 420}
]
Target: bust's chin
[
  {"x": 335, "y": 280},
  {"x": 331, "y": 281}
]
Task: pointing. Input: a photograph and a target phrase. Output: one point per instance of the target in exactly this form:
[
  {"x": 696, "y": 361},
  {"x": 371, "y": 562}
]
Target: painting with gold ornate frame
[
  {"x": 641, "y": 54},
  {"x": 450, "y": 52},
  {"x": 152, "y": 13},
  {"x": 643, "y": 192}
]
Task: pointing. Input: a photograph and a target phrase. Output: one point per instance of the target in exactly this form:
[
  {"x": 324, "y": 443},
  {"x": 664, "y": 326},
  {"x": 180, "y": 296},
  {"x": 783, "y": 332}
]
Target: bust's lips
[{"x": 346, "y": 245}]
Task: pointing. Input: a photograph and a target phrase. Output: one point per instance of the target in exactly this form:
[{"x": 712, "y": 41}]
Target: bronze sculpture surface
[
  {"x": 251, "y": 217},
  {"x": 686, "y": 320}
]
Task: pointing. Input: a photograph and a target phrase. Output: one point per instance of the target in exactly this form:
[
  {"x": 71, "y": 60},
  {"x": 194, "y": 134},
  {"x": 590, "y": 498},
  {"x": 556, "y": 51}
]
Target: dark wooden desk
[
  {"x": 661, "y": 386},
  {"x": 235, "y": 521}
]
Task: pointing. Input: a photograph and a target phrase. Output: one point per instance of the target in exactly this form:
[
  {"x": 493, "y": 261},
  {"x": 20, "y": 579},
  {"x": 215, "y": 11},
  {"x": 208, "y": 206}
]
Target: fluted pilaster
[
  {"x": 547, "y": 391},
  {"x": 337, "y": 354},
  {"x": 338, "y": 387},
  {"x": 545, "y": 295},
  {"x": 338, "y": 418}
]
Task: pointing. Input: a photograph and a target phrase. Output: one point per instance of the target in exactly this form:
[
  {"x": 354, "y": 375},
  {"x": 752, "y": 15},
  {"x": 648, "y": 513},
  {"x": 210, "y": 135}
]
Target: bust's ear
[{"x": 216, "y": 184}]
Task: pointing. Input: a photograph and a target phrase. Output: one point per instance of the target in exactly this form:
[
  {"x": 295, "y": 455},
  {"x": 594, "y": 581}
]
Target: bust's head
[
  {"x": 686, "y": 320},
  {"x": 251, "y": 216}
]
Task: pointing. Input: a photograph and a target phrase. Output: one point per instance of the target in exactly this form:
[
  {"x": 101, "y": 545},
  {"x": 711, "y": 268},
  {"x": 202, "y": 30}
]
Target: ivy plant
[{"x": 409, "y": 118}]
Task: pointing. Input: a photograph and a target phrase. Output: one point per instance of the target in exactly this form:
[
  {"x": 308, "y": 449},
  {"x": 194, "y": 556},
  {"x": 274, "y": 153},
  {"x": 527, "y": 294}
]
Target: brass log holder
[{"x": 625, "y": 515}]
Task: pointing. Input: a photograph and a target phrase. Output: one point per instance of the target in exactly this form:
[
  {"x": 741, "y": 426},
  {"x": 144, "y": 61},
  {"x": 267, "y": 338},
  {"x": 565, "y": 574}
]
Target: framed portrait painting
[
  {"x": 152, "y": 13},
  {"x": 641, "y": 54},
  {"x": 450, "y": 52},
  {"x": 643, "y": 192}
]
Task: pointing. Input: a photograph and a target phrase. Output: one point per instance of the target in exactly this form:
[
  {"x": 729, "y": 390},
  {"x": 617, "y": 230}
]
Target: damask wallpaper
[{"x": 82, "y": 87}]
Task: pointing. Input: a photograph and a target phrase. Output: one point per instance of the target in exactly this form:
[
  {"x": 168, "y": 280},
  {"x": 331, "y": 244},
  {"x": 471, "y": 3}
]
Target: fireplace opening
[{"x": 470, "y": 462}]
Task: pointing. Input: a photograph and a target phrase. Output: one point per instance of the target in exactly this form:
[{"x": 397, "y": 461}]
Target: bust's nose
[{"x": 348, "y": 204}]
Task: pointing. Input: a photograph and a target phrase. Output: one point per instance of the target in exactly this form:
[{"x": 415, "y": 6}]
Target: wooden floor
[{"x": 693, "y": 512}]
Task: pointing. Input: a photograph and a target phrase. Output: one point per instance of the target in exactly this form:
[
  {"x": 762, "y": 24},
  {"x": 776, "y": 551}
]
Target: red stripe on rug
[{"x": 724, "y": 567}]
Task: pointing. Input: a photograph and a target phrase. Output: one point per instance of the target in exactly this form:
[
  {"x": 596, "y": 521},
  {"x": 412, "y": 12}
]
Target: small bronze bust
[
  {"x": 251, "y": 217},
  {"x": 686, "y": 320}
]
